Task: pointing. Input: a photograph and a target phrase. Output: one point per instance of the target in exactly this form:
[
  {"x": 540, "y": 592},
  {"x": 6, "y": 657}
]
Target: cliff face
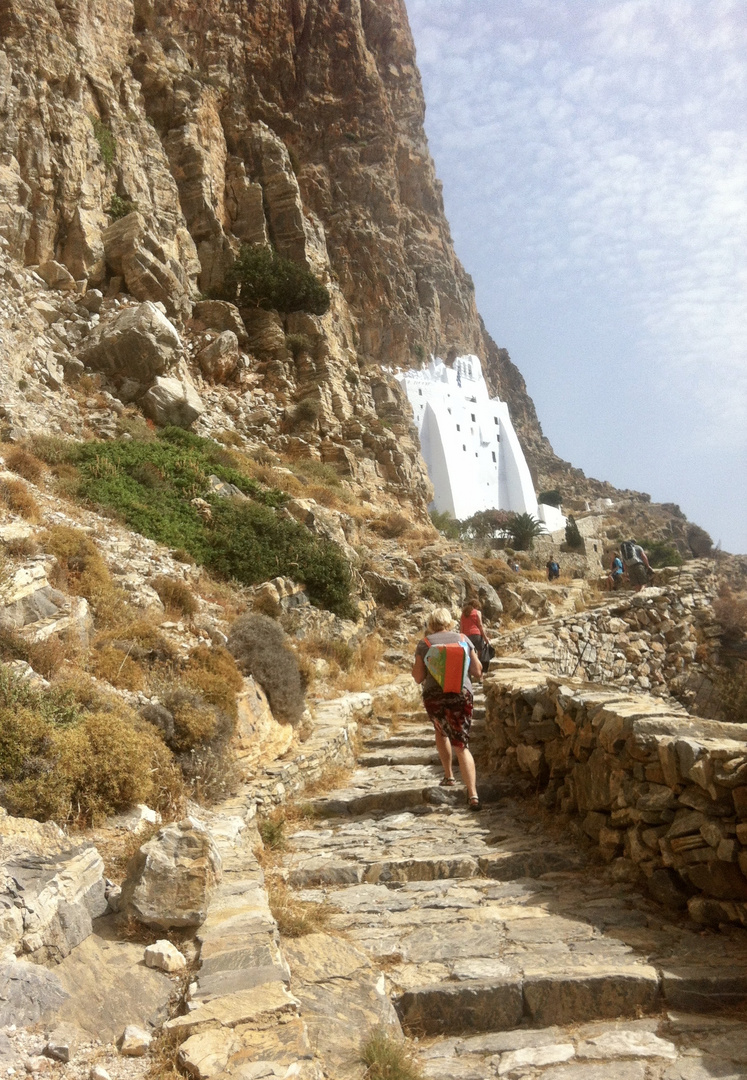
[{"x": 234, "y": 122}]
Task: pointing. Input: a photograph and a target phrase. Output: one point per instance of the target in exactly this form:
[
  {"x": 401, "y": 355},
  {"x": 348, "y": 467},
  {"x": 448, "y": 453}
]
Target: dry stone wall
[{"x": 661, "y": 792}]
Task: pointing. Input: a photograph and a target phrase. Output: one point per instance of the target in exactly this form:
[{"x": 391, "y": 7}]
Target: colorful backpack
[{"x": 448, "y": 664}]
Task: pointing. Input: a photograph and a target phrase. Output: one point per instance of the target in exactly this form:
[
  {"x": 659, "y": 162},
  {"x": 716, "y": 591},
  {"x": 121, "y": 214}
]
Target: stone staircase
[{"x": 505, "y": 951}]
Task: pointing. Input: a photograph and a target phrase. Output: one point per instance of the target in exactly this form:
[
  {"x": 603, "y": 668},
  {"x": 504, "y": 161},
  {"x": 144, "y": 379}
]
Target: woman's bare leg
[
  {"x": 467, "y": 769},
  {"x": 443, "y": 745}
]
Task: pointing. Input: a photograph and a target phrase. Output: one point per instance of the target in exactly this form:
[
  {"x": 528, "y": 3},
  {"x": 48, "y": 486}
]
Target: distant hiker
[
  {"x": 444, "y": 661},
  {"x": 636, "y": 564},
  {"x": 470, "y": 624},
  {"x": 553, "y": 570},
  {"x": 614, "y": 578}
]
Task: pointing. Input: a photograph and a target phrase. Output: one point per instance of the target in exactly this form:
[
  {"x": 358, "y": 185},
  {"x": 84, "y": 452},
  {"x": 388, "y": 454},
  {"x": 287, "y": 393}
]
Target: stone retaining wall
[
  {"x": 661, "y": 792},
  {"x": 645, "y": 640}
]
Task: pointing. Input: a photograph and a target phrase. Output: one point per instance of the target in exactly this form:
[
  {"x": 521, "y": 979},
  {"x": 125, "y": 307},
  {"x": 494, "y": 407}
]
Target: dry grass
[
  {"x": 19, "y": 460},
  {"x": 295, "y": 918},
  {"x": 19, "y": 500},
  {"x": 116, "y": 847},
  {"x": 175, "y": 595},
  {"x": 387, "y": 1057},
  {"x": 24, "y": 547}
]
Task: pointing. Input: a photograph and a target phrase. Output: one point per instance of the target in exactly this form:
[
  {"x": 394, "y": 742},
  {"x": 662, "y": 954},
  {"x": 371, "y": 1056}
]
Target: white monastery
[{"x": 469, "y": 445}]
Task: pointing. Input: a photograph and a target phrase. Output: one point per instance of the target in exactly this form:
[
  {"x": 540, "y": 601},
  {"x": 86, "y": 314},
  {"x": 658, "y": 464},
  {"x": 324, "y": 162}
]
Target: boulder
[
  {"x": 56, "y": 275},
  {"x": 135, "y": 1041},
  {"x": 220, "y": 359},
  {"x": 172, "y": 401},
  {"x": 165, "y": 957},
  {"x": 138, "y": 343},
  {"x": 264, "y": 330},
  {"x": 170, "y": 880},
  {"x": 29, "y": 993},
  {"x": 220, "y": 315},
  {"x": 133, "y": 253},
  {"x": 386, "y": 590}
]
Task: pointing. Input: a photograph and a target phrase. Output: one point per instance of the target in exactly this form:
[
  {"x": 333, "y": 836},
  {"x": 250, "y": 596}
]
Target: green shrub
[
  {"x": 307, "y": 411},
  {"x": 660, "y": 553},
  {"x": 550, "y": 498},
  {"x": 298, "y": 344},
  {"x": 105, "y": 139},
  {"x": 436, "y": 592},
  {"x": 446, "y": 524},
  {"x": 263, "y": 279},
  {"x": 246, "y": 539},
  {"x": 258, "y": 645},
  {"x": 120, "y": 207}
]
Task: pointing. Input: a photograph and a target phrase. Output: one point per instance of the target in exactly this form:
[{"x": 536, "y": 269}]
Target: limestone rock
[
  {"x": 172, "y": 401},
  {"x": 219, "y": 360},
  {"x": 170, "y": 880},
  {"x": 138, "y": 819},
  {"x": 62, "y": 1043},
  {"x": 133, "y": 252},
  {"x": 56, "y": 275},
  {"x": 135, "y": 1042},
  {"x": 264, "y": 331},
  {"x": 221, "y": 316},
  {"x": 165, "y": 957},
  {"x": 29, "y": 993},
  {"x": 138, "y": 343},
  {"x": 387, "y": 590}
]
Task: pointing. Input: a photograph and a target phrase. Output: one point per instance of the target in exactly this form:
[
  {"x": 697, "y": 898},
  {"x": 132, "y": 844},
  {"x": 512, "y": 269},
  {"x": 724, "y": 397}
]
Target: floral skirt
[{"x": 451, "y": 715}]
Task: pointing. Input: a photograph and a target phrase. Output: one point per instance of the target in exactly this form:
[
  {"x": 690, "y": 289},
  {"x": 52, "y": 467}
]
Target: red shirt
[{"x": 471, "y": 624}]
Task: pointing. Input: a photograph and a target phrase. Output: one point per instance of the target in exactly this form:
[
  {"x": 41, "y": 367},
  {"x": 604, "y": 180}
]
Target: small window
[
  {"x": 464, "y": 448},
  {"x": 495, "y": 419},
  {"x": 459, "y": 427},
  {"x": 449, "y": 411},
  {"x": 476, "y": 455},
  {"x": 497, "y": 438},
  {"x": 494, "y": 456},
  {"x": 472, "y": 415},
  {"x": 420, "y": 392}
]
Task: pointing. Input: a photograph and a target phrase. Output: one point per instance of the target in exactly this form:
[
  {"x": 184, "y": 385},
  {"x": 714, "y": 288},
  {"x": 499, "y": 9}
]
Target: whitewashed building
[{"x": 469, "y": 445}]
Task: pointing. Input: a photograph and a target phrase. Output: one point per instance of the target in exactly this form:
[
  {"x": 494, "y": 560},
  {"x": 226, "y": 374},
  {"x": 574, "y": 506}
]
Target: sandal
[
  {"x": 448, "y": 781},
  {"x": 474, "y": 804}
]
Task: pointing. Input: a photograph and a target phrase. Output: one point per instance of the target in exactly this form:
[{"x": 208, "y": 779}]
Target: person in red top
[{"x": 470, "y": 624}]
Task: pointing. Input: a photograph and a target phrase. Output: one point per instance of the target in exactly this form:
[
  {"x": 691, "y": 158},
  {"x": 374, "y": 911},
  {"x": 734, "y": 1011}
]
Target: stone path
[{"x": 503, "y": 951}]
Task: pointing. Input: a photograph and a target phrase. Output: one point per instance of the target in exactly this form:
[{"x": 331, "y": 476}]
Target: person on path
[
  {"x": 614, "y": 578},
  {"x": 636, "y": 564},
  {"x": 470, "y": 624},
  {"x": 451, "y": 714},
  {"x": 553, "y": 570}
]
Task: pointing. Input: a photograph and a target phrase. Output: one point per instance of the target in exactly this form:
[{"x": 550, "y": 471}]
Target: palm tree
[{"x": 523, "y": 529}]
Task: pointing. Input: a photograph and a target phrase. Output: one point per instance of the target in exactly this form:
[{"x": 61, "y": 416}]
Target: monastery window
[
  {"x": 495, "y": 419},
  {"x": 472, "y": 417},
  {"x": 476, "y": 455},
  {"x": 459, "y": 427},
  {"x": 464, "y": 448},
  {"x": 420, "y": 392},
  {"x": 494, "y": 455},
  {"x": 497, "y": 438}
]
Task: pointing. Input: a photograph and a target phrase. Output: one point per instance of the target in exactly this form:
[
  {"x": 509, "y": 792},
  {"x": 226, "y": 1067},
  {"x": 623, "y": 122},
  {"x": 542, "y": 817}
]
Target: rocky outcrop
[
  {"x": 172, "y": 401},
  {"x": 137, "y": 344}
]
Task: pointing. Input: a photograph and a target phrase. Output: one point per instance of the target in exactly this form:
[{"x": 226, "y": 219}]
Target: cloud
[{"x": 602, "y": 146}]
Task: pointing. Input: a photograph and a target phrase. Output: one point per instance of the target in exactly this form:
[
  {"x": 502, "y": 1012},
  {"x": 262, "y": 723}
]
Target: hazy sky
[{"x": 594, "y": 161}]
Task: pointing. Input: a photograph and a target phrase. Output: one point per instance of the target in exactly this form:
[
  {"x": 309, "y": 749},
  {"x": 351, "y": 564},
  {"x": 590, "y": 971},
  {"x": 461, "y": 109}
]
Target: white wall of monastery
[{"x": 474, "y": 457}]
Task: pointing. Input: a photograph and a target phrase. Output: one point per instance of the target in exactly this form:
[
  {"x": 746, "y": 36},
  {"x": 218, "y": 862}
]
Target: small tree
[
  {"x": 485, "y": 524},
  {"x": 523, "y": 528},
  {"x": 550, "y": 498},
  {"x": 446, "y": 524},
  {"x": 264, "y": 279},
  {"x": 573, "y": 537}
]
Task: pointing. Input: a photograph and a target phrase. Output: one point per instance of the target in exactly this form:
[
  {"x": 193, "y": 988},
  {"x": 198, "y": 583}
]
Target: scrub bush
[
  {"x": 261, "y": 278},
  {"x": 21, "y": 461},
  {"x": 258, "y": 645},
  {"x": 19, "y": 500},
  {"x": 175, "y": 594}
]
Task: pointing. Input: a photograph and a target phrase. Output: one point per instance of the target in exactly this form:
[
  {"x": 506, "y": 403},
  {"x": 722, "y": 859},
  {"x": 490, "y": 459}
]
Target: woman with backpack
[
  {"x": 470, "y": 624},
  {"x": 444, "y": 661}
]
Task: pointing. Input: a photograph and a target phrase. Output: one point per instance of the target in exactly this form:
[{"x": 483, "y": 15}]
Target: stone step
[
  {"x": 540, "y": 999},
  {"x": 424, "y": 740},
  {"x": 324, "y": 871},
  {"x": 400, "y": 755},
  {"x": 356, "y": 802}
]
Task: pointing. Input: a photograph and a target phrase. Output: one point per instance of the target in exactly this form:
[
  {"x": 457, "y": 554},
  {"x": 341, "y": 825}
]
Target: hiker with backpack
[
  {"x": 614, "y": 578},
  {"x": 553, "y": 570},
  {"x": 636, "y": 564},
  {"x": 444, "y": 661},
  {"x": 470, "y": 624}
]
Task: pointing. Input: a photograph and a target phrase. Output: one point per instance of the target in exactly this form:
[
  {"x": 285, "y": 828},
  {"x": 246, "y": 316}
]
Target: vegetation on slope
[{"x": 151, "y": 484}]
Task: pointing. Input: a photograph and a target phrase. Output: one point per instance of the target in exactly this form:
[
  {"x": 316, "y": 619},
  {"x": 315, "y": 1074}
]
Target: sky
[{"x": 594, "y": 161}]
